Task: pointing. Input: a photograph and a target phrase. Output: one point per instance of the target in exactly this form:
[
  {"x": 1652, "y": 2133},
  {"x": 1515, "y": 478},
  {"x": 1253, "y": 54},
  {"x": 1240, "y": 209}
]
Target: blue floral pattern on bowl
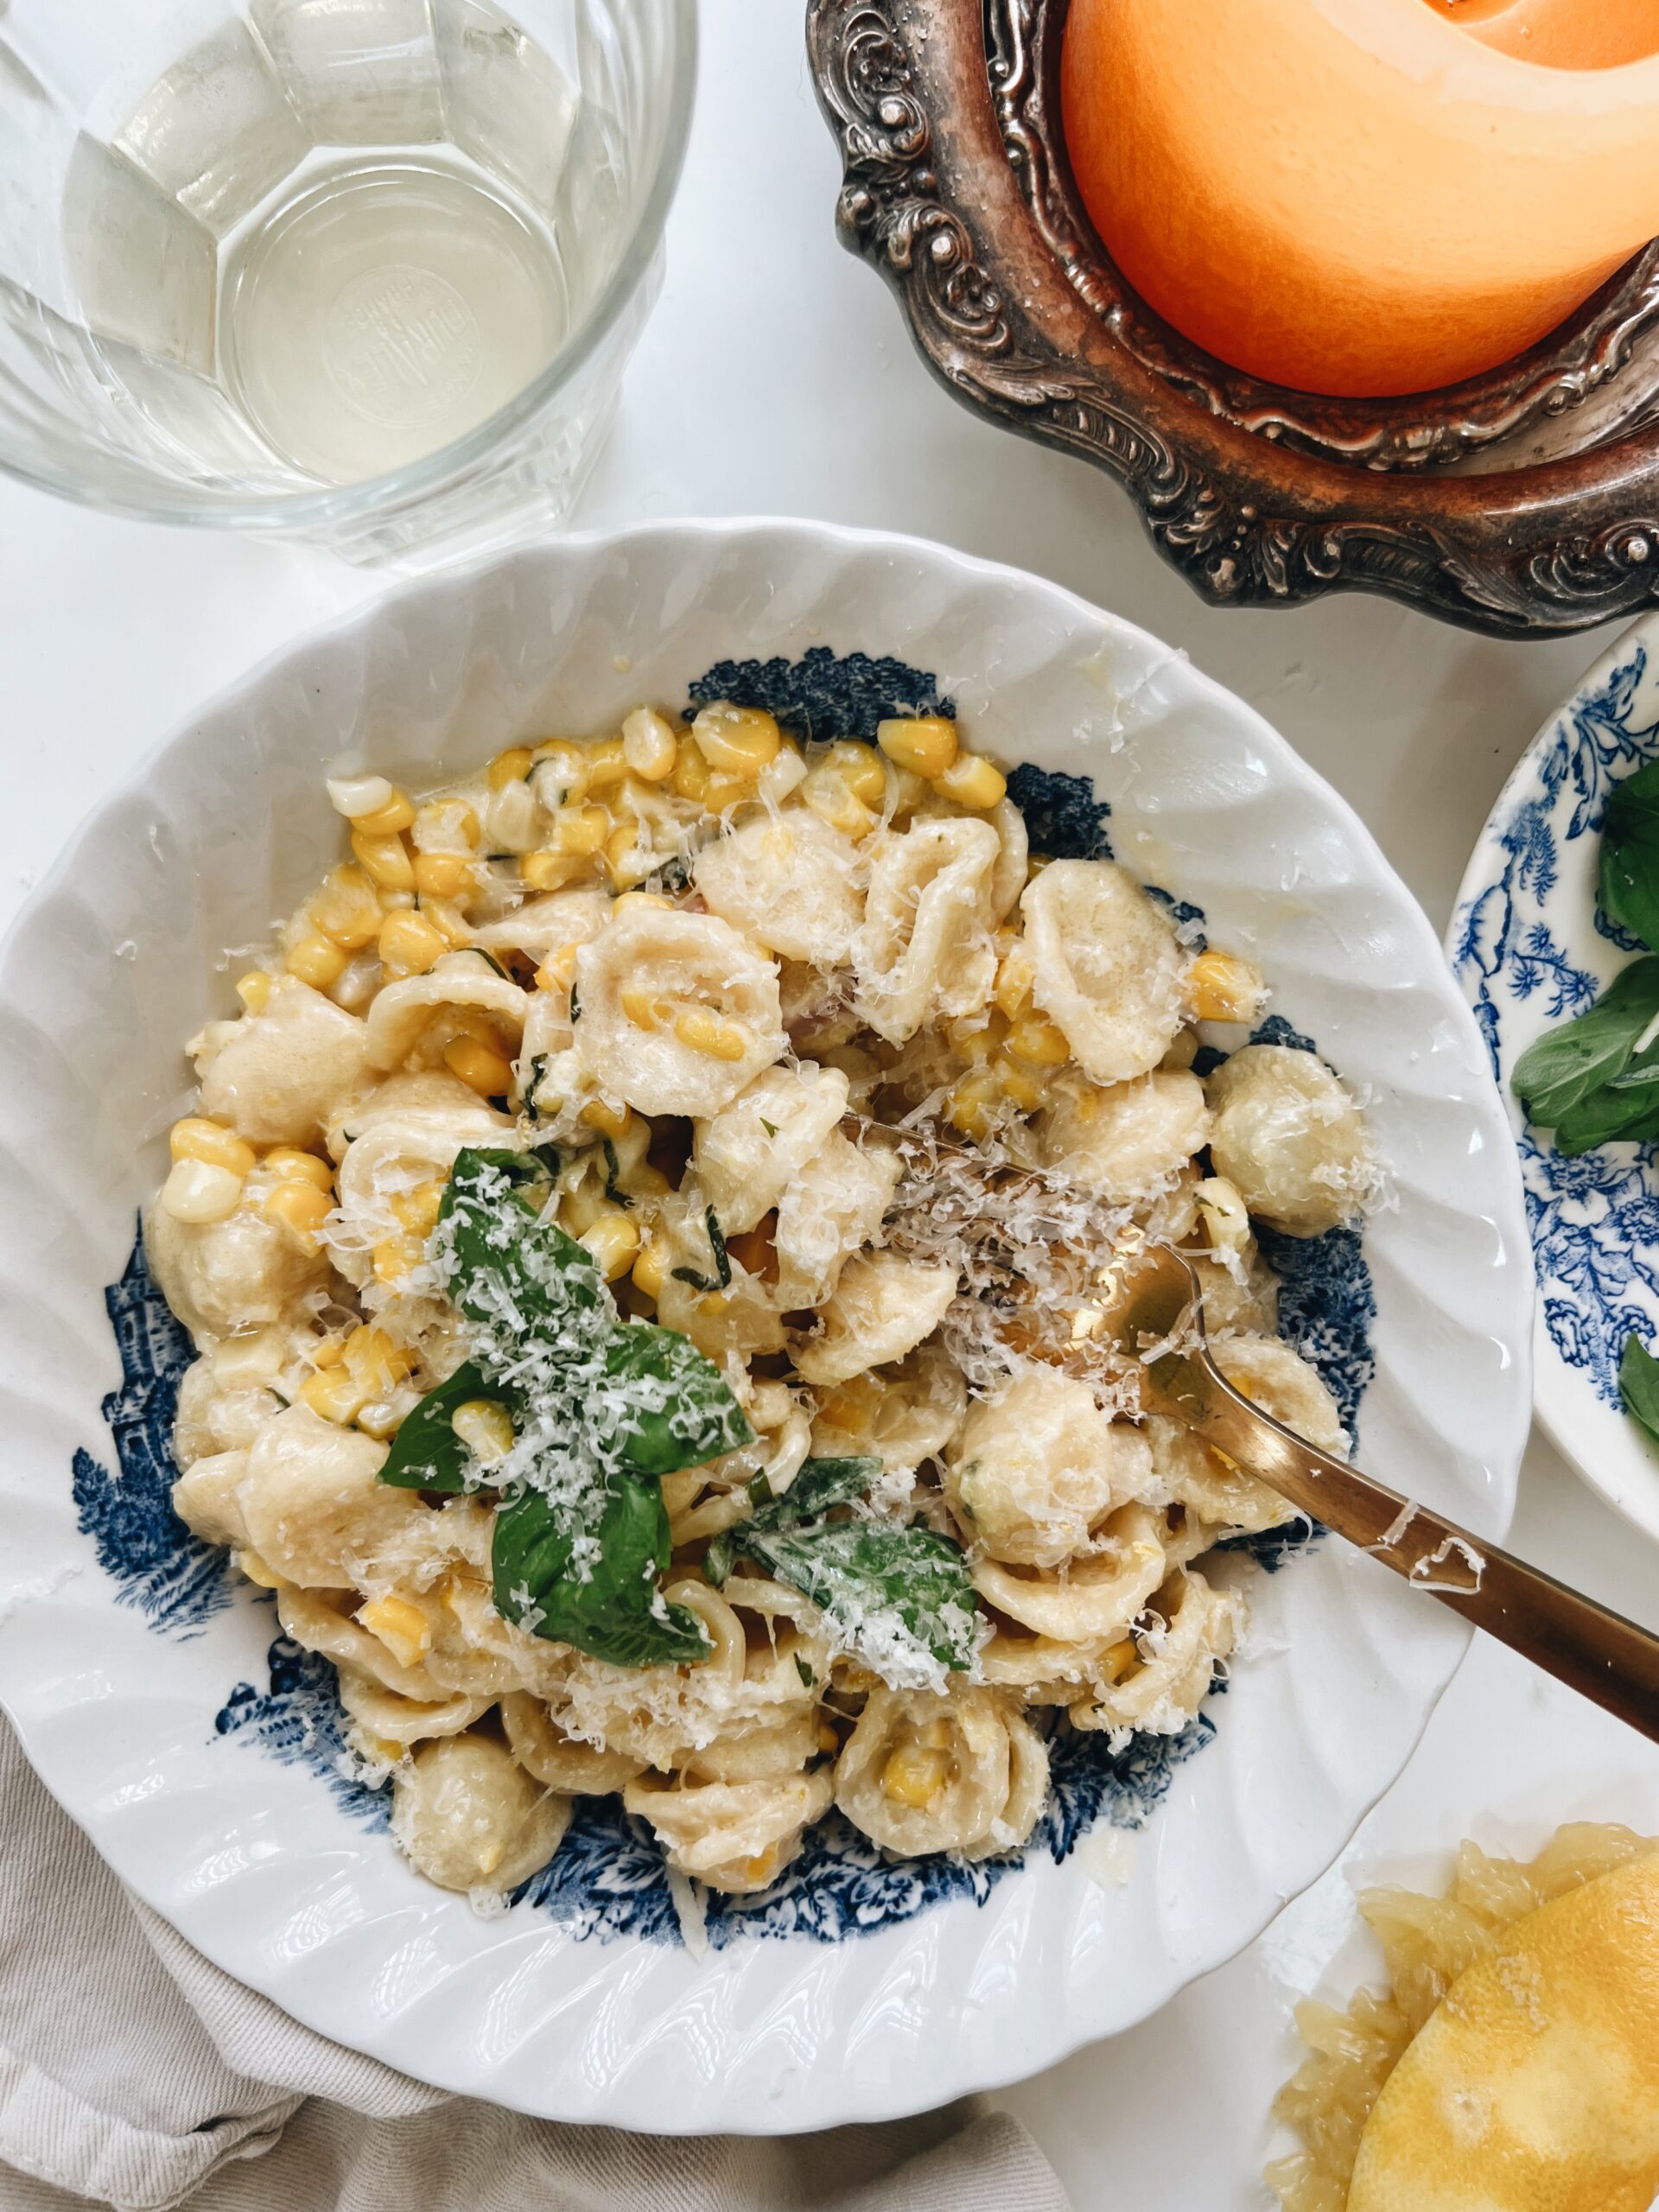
[
  {"x": 1532, "y": 947},
  {"x": 608, "y": 1878}
]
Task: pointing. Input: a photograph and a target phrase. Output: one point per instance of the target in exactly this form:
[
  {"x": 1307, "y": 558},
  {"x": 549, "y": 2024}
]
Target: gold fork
[{"x": 1156, "y": 1320}]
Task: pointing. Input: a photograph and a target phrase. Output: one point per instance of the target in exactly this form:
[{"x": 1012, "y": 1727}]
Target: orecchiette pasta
[
  {"x": 602, "y": 1380},
  {"x": 470, "y": 1818},
  {"x": 749, "y": 1153},
  {"x": 1035, "y": 1470},
  {"x": 791, "y": 885},
  {"x": 1106, "y": 967},
  {"x": 676, "y": 1012},
  {"x": 883, "y": 1306},
  {"x": 1129, "y": 1140},
  {"x": 964, "y": 1771},
  {"x": 925, "y": 952},
  {"x": 737, "y": 1836},
  {"x": 1289, "y": 1138},
  {"x": 281, "y": 1074}
]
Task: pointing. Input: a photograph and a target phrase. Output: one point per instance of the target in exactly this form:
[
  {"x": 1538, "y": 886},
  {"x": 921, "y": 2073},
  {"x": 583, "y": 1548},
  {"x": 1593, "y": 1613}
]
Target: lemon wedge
[{"x": 1533, "y": 2086}]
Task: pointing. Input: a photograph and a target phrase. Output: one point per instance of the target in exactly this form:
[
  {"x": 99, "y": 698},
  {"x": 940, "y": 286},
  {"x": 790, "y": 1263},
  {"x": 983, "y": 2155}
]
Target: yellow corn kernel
[
  {"x": 329, "y": 1351},
  {"x": 1040, "y": 1041},
  {"x": 198, "y": 1139},
  {"x": 290, "y": 1165},
  {"x": 378, "y": 1363},
  {"x": 1221, "y": 1209},
  {"x": 480, "y": 1068},
  {"x": 605, "y": 763},
  {"x": 551, "y": 871},
  {"x": 510, "y": 767},
  {"x": 300, "y": 1208},
  {"x": 783, "y": 775},
  {"x": 723, "y": 791},
  {"x": 1019, "y": 1086},
  {"x": 316, "y": 961},
  {"x": 971, "y": 1107},
  {"x": 610, "y": 1121},
  {"x": 410, "y": 944},
  {"x": 614, "y": 1240},
  {"x": 1223, "y": 987},
  {"x": 356, "y": 796},
  {"x": 558, "y": 971},
  {"x": 256, "y": 1570},
  {"x": 386, "y": 861},
  {"x": 833, "y": 800},
  {"x": 1116, "y": 1663},
  {"x": 643, "y": 1008},
  {"x": 335, "y": 1394},
  {"x": 443, "y": 875},
  {"x": 626, "y": 861},
  {"x": 582, "y": 829},
  {"x": 914, "y": 1776},
  {"x": 447, "y": 918},
  {"x": 971, "y": 780},
  {"x": 691, "y": 775},
  {"x": 629, "y": 902},
  {"x": 649, "y": 745},
  {"x": 386, "y": 820},
  {"x": 1015, "y": 977},
  {"x": 485, "y": 1428},
  {"x": 651, "y": 1270},
  {"x": 346, "y": 908},
  {"x": 560, "y": 774},
  {"x": 401, "y": 1626},
  {"x": 254, "y": 990},
  {"x": 417, "y": 1209},
  {"x": 394, "y": 1258},
  {"x": 443, "y": 826},
  {"x": 859, "y": 766},
  {"x": 198, "y": 1192},
  {"x": 736, "y": 740},
  {"x": 925, "y": 744},
  {"x": 703, "y": 1032}
]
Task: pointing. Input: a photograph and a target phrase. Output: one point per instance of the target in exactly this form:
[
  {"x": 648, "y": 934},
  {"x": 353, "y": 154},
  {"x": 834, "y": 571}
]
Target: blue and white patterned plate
[
  {"x": 1531, "y": 947},
  {"x": 201, "y": 1751}
]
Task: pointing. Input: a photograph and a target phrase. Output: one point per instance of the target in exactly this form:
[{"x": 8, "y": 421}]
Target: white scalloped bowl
[{"x": 144, "y": 1690}]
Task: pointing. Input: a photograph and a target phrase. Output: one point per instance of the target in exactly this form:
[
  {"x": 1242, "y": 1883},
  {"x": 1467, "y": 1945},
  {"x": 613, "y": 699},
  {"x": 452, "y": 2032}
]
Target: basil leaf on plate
[
  {"x": 1562, "y": 1070},
  {"x": 587, "y": 1575},
  {"x": 506, "y": 1267},
  {"x": 679, "y": 1410},
  {"x": 899, "y": 1597},
  {"x": 1608, "y": 1116},
  {"x": 1630, "y": 855},
  {"x": 818, "y": 1484},
  {"x": 1638, "y": 1385},
  {"x": 426, "y": 1453}
]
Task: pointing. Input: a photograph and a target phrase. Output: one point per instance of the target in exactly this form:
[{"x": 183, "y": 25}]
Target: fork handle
[{"x": 1595, "y": 1652}]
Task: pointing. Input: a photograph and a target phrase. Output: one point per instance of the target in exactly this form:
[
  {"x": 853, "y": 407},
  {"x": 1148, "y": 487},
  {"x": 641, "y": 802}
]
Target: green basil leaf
[
  {"x": 613, "y": 1170},
  {"x": 506, "y": 1263},
  {"x": 426, "y": 1453},
  {"x": 587, "y": 1576},
  {"x": 1638, "y": 1385},
  {"x": 818, "y": 1484},
  {"x": 680, "y": 1410},
  {"x": 1561, "y": 1070},
  {"x": 721, "y": 1279},
  {"x": 885, "y": 1588},
  {"x": 1630, "y": 855},
  {"x": 1608, "y": 1116}
]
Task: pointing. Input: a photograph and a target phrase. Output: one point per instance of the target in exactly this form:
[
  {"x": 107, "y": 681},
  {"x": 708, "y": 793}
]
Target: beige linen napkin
[{"x": 133, "y": 2072}]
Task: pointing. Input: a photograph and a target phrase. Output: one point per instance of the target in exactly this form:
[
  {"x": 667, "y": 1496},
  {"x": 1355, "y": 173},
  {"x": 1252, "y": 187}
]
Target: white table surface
[{"x": 777, "y": 378}]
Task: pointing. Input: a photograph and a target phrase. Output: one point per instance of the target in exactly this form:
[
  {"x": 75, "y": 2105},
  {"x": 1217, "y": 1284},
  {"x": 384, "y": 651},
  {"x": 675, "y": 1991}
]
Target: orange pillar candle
[{"x": 1365, "y": 196}]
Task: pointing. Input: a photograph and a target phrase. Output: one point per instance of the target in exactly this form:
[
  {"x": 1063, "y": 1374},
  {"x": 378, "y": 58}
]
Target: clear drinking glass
[{"x": 363, "y": 271}]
